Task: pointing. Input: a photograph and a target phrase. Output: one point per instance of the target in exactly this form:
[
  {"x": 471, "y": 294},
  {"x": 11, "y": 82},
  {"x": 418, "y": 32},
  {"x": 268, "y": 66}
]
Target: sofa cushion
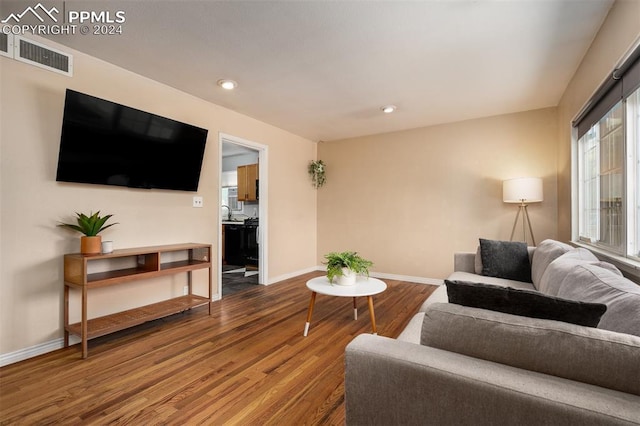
[
  {"x": 505, "y": 259},
  {"x": 593, "y": 283},
  {"x": 588, "y": 355},
  {"x": 557, "y": 270},
  {"x": 440, "y": 295},
  {"x": 477, "y": 261},
  {"x": 524, "y": 302},
  {"x": 411, "y": 333},
  {"x": 466, "y": 276},
  {"x": 546, "y": 252}
]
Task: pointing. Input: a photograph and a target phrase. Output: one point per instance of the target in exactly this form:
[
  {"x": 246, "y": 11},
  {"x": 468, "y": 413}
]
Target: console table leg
[
  {"x": 66, "y": 316},
  {"x": 309, "y": 313},
  {"x": 210, "y": 278},
  {"x": 372, "y": 314},
  {"x": 83, "y": 326}
]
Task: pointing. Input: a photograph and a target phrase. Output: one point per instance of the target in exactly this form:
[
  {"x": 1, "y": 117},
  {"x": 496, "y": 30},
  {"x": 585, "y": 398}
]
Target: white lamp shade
[{"x": 522, "y": 190}]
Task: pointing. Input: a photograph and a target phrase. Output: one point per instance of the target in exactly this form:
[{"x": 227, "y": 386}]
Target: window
[
  {"x": 601, "y": 182},
  {"x": 230, "y": 198},
  {"x": 633, "y": 135},
  {"x": 608, "y": 176}
]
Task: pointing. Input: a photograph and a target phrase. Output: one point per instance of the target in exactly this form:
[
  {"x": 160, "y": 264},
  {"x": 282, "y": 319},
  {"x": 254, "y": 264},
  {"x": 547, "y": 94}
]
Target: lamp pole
[{"x": 522, "y": 208}]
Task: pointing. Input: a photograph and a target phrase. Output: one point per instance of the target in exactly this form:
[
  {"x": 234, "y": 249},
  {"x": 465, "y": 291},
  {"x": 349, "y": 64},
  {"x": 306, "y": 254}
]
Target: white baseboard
[
  {"x": 22, "y": 354},
  {"x": 408, "y": 278},
  {"x": 292, "y": 275}
]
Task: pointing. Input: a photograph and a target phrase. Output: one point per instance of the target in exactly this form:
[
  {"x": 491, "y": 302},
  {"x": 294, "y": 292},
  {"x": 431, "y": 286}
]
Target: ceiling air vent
[
  {"x": 43, "y": 56},
  {"x": 6, "y": 45}
]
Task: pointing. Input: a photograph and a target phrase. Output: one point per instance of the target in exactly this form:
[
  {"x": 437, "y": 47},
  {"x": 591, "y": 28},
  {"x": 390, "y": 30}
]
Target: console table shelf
[
  {"x": 119, "y": 321},
  {"x": 148, "y": 264}
]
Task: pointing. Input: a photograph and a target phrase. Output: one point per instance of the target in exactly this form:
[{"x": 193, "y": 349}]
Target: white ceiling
[
  {"x": 233, "y": 150},
  {"x": 323, "y": 69}
]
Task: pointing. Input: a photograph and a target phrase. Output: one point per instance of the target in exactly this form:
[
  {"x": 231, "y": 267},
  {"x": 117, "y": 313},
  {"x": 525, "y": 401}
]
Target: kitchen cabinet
[{"x": 248, "y": 182}]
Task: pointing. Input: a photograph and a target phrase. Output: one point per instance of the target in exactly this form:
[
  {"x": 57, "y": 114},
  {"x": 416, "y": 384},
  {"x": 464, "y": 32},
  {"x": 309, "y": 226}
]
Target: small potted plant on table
[
  {"x": 346, "y": 266},
  {"x": 90, "y": 226}
]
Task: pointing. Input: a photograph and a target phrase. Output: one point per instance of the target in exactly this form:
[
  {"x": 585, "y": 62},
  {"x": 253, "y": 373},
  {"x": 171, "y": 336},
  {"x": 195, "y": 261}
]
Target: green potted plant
[
  {"x": 317, "y": 173},
  {"x": 346, "y": 266},
  {"x": 90, "y": 226}
]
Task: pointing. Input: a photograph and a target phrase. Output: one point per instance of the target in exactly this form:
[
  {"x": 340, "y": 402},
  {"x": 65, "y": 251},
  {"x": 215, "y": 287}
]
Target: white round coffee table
[{"x": 363, "y": 287}]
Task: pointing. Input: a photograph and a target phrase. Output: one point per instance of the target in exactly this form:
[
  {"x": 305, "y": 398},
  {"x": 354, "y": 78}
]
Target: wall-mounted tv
[{"x": 107, "y": 143}]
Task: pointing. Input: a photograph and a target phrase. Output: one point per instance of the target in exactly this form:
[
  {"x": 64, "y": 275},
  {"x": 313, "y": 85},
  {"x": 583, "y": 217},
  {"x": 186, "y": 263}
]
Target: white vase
[{"x": 348, "y": 277}]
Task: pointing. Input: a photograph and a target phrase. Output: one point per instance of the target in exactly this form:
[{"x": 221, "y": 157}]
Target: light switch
[{"x": 197, "y": 201}]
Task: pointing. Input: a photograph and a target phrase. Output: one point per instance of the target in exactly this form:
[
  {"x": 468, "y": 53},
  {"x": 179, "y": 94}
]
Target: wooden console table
[{"x": 148, "y": 264}]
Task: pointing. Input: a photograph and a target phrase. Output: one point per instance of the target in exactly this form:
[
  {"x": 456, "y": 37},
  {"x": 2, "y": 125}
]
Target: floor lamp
[{"x": 522, "y": 191}]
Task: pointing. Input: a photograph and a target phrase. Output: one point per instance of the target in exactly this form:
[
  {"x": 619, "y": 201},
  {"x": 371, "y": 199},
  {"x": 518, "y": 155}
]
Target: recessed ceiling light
[
  {"x": 227, "y": 84},
  {"x": 388, "y": 109}
]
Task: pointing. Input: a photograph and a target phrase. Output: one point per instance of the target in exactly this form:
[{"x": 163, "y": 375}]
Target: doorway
[{"x": 243, "y": 215}]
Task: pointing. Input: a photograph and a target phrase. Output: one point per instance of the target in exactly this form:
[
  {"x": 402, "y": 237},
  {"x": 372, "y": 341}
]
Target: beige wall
[
  {"x": 408, "y": 200},
  {"x": 32, "y": 202},
  {"x": 616, "y": 36}
]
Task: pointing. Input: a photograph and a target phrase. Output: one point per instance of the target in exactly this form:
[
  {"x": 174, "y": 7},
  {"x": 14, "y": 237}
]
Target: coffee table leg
[
  {"x": 355, "y": 309},
  {"x": 372, "y": 314},
  {"x": 309, "y": 312}
]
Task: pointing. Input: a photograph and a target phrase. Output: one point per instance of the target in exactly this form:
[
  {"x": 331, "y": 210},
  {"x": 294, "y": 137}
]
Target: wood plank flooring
[{"x": 247, "y": 364}]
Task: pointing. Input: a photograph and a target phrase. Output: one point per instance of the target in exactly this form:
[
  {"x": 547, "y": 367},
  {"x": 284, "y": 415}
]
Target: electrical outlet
[
  {"x": 198, "y": 201},
  {"x": 185, "y": 290}
]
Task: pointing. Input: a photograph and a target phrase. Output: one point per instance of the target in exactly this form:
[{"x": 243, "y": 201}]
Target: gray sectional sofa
[{"x": 456, "y": 365}]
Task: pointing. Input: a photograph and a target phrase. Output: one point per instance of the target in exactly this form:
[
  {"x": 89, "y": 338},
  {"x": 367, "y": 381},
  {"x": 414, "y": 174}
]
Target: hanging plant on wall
[{"x": 316, "y": 171}]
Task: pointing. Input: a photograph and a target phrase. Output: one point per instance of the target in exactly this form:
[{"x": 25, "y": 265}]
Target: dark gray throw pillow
[
  {"x": 524, "y": 303},
  {"x": 505, "y": 259}
]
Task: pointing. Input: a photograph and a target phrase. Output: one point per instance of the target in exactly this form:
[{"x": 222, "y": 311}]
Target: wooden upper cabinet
[
  {"x": 247, "y": 178},
  {"x": 252, "y": 179}
]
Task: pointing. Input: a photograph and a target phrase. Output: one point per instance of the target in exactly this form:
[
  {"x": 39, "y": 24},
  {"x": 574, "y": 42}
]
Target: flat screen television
[{"x": 107, "y": 143}]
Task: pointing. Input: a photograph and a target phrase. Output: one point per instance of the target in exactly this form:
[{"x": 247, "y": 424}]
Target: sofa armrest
[
  {"x": 393, "y": 382},
  {"x": 464, "y": 262}
]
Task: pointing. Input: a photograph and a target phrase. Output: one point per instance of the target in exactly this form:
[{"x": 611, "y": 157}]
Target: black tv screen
[{"x": 107, "y": 143}]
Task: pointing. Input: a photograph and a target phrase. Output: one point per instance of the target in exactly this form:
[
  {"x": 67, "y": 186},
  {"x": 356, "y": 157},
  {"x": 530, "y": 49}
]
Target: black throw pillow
[
  {"x": 505, "y": 259},
  {"x": 524, "y": 303}
]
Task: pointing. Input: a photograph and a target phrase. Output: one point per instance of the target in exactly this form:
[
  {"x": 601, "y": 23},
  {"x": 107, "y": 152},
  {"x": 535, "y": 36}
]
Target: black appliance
[
  {"x": 234, "y": 244},
  {"x": 251, "y": 244},
  {"x": 106, "y": 143}
]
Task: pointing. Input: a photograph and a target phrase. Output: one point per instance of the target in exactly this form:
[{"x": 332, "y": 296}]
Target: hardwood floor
[{"x": 247, "y": 364}]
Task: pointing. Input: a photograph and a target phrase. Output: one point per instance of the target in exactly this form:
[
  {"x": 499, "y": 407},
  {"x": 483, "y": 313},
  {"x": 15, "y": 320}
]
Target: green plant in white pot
[{"x": 346, "y": 266}]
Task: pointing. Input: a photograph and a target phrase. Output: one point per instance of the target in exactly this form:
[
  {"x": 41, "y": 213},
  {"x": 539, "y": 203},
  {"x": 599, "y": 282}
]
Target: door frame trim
[{"x": 263, "y": 239}]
